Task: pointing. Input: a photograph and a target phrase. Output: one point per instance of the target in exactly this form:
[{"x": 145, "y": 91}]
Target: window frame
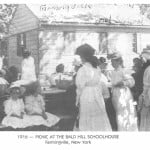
[{"x": 21, "y": 44}]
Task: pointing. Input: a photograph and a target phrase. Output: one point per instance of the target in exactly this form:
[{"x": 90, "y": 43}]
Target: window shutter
[
  {"x": 103, "y": 44},
  {"x": 21, "y": 44},
  {"x": 19, "y": 51},
  {"x": 135, "y": 42}
]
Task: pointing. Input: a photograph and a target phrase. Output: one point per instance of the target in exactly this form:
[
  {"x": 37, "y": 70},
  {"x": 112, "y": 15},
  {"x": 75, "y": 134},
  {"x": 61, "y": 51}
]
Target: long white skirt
[
  {"x": 125, "y": 110},
  {"x": 27, "y": 121},
  {"x": 92, "y": 113}
]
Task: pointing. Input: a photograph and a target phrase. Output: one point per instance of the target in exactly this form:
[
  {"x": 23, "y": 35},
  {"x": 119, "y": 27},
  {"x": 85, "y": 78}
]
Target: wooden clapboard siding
[
  {"x": 31, "y": 44},
  {"x": 24, "y": 20},
  {"x": 12, "y": 52}
]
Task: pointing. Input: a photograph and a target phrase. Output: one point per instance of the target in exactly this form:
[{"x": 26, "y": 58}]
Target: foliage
[
  {"x": 6, "y": 14},
  {"x": 145, "y": 9}
]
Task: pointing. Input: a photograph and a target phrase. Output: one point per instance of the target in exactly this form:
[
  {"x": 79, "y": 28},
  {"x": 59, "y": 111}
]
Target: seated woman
[
  {"x": 14, "y": 109},
  {"x": 35, "y": 108},
  {"x": 57, "y": 75}
]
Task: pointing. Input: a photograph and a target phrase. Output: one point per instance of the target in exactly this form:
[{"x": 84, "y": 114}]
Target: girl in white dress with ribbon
[
  {"x": 92, "y": 112},
  {"x": 35, "y": 108}
]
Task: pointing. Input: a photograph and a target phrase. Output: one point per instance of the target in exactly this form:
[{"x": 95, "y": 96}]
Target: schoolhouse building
[{"x": 53, "y": 32}]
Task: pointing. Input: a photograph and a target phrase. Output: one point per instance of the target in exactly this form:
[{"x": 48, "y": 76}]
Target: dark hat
[
  {"x": 146, "y": 50},
  {"x": 85, "y": 50},
  {"x": 60, "y": 67},
  {"x": 114, "y": 55}
]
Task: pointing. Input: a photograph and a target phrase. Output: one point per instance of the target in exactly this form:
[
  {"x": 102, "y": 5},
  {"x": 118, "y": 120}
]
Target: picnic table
[{"x": 58, "y": 102}]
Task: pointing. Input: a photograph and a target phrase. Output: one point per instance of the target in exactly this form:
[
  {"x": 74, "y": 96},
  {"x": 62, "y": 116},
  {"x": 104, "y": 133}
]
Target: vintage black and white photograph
[{"x": 75, "y": 67}]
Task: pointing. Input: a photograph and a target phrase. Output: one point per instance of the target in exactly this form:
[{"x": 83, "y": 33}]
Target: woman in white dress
[
  {"x": 105, "y": 77},
  {"x": 28, "y": 74},
  {"x": 121, "y": 96},
  {"x": 92, "y": 112},
  {"x": 144, "y": 100},
  {"x": 35, "y": 108}
]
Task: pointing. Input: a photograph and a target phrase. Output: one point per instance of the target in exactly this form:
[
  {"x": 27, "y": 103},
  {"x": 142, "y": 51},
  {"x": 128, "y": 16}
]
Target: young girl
[
  {"x": 92, "y": 112},
  {"x": 14, "y": 109},
  {"x": 121, "y": 95},
  {"x": 35, "y": 108}
]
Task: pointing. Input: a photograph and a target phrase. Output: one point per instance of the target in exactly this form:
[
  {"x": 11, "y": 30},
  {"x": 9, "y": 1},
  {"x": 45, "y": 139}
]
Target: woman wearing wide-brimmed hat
[
  {"x": 90, "y": 94},
  {"x": 144, "y": 99},
  {"x": 14, "y": 109},
  {"x": 121, "y": 95}
]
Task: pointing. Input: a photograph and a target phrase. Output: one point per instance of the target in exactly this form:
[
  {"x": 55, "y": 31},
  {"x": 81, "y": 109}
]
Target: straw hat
[
  {"x": 14, "y": 85},
  {"x": 17, "y": 85},
  {"x": 146, "y": 52},
  {"x": 114, "y": 55}
]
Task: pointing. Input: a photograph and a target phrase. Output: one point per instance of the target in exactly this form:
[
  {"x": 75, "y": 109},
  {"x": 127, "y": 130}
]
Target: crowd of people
[
  {"x": 105, "y": 100},
  {"x": 98, "y": 88},
  {"x": 25, "y": 106}
]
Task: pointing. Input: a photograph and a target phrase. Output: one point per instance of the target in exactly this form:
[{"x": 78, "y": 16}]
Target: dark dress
[{"x": 138, "y": 87}]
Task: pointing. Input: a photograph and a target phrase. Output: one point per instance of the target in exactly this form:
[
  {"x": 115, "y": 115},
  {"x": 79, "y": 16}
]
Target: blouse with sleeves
[
  {"x": 28, "y": 69},
  {"x": 14, "y": 107},
  {"x": 120, "y": 75},
  {"x": 34, "y": 104},
  {"x": 89, "y": 76}
]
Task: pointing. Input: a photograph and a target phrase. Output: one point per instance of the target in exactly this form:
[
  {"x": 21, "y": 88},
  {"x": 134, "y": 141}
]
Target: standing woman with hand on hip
[
  {"x": 122, "y": 98},
  {"x": 92, "y": 112}
]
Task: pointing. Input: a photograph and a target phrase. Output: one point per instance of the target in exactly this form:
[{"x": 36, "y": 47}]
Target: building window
[
  {"x": 135, "y": 42},
  {"x": 21, "y": 43},
  {"x": 103, "y": 44}
]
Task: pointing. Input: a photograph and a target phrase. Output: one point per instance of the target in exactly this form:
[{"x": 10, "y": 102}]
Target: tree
[
  {"x": 6, "y": 14},
  {"x": 144, "y": 9}
]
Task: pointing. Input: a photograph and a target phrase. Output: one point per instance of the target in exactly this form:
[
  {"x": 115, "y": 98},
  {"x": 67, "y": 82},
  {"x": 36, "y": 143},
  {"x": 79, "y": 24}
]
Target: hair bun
[{"x": 85, "y": 50}]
